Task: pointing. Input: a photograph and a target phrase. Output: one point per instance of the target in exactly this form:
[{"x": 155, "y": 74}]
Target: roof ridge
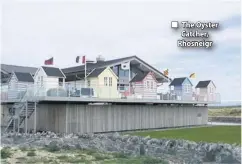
[{"x": 18, "y": 65}]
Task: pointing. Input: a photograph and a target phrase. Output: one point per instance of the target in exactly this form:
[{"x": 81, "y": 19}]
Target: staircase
[{"x": 23, "y": 109}]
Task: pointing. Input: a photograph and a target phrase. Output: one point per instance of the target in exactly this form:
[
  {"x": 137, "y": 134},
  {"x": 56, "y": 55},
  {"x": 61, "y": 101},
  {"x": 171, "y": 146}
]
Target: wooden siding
[
  {"x": 49, "y": 117},
  {"x": 181, "y": 92},
  {"x": 97, "y": 83},
  {"x": 140, "y": 88},
  {"x": 107, "y": 91},
  {"x": 16, "y": 89},
  {"x": 48, "y": 82},
  {"x": 103, "y": 118},
  {"x": 205, "y": 95}
]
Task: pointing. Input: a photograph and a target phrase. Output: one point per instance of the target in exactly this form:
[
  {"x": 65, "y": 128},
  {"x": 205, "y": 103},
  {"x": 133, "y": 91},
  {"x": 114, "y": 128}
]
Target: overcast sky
[{"x": 34, "y": 31}]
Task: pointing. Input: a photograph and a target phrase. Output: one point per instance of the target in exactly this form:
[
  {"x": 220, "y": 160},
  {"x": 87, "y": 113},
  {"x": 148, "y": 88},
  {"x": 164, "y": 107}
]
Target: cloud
[
  {"x": 229, "y": 36},
  {"x": 37, "y": 30}
]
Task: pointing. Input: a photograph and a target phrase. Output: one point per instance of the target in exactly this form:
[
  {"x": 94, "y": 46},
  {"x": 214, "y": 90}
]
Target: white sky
[{"x": 32, "y": 31}]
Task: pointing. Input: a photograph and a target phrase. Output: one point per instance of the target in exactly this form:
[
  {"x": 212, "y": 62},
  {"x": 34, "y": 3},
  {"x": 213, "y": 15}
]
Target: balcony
[{"x": 98, "y": 91}]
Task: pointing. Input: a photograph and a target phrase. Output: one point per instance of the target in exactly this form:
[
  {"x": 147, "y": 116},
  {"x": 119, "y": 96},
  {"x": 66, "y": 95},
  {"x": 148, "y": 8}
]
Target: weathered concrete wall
[{"x": 103, "y": 118}]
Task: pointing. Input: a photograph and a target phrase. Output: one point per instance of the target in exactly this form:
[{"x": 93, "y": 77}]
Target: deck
[{"x": 112, "y": 101}]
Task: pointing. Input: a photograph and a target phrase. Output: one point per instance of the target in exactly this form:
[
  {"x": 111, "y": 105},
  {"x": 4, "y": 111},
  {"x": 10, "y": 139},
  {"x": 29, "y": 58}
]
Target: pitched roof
[
  {"x": 24, "y": 77},
  {"x": 96, "y": 72},
  {"x": 52, "y": 71},
  {"x": 101, "y": 64},
  {"x": 203, "y": 84},
  {"x": 91, "y": 66},
  {"x": 14, "y": 68},
  {"x": 139, "y": 77},
  {"x": 4, "y": 77},
  {"x": 177, "y": 81}
]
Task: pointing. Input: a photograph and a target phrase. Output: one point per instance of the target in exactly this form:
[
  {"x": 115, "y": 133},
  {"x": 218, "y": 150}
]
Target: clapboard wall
[{"x": 103, "y": 118}]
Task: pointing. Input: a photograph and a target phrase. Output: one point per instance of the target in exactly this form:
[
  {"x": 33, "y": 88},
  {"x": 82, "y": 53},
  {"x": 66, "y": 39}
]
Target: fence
[{"x": 97, "y": 90}]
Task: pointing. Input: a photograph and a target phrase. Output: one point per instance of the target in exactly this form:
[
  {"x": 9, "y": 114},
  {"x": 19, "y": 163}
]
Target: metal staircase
[{"x": 23, "y": 111}]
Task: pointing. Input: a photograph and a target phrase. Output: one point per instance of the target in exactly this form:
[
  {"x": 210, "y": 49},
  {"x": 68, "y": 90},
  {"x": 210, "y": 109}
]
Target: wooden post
[
  {"x": 26, "y": 117},
  {"x": 35, "y": 117},
  {"x": 67, "y": 105},
  {"x": 18, "y": 124}
]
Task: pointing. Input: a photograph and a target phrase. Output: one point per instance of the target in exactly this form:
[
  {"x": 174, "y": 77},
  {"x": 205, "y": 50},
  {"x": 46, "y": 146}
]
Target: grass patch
[
  {"x": 40, "y": 160},
  {"x": 75, "y": 160},
  {"x": 23, "y": 148},
  {"x": 88, "y": 151},
  {"x": 52, "y": 149},
  {"x": 149, "y": 160},
  {"x": 225, "y": 134},
  {"x": 135, "y": 160},
  {"x": 31, "y": 153},
  {"x": 119, "y": 155},
  {"x": 224, "y": 112},
  {"x": 5, "y": 153},
  {"x": 63, "y": 157},
  {"x": 100, "y": 157}
]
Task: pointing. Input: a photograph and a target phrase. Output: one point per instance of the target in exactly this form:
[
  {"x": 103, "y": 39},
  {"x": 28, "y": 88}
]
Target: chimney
[{"x": 100, "y": 58}]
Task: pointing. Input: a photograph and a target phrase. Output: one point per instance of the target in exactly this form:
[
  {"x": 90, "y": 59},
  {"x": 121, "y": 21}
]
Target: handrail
[{"x": 23, "y": 98}]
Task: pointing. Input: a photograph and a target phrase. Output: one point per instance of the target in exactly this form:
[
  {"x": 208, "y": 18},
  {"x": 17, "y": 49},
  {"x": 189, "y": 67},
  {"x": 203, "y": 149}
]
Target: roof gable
[
  {"x": 24, "y": 77},
  {"x": 204, "y": 84},
  {"x": 96, "y": 72},
  {"x": 91, "y": 66},
  {"x": 179, "y": 81},
  {"x": 14, "y": 68},
  {"x": 139, "y": 77},
  {"x": 53, "y": 71}
]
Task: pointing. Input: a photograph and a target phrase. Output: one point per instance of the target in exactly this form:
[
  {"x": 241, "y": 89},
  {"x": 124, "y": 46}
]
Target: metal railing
[{"x": 95, "y": 90}]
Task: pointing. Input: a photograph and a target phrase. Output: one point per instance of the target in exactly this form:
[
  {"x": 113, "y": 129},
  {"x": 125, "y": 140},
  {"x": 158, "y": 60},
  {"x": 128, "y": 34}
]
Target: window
[
  {"x": 123, "y": 73},
  {"x": 105, "y": 81},
  {"x": 110, "y": 81},
  {"x": 88, "y": 83},
  {"x": 148, "y": 84},
  {"x": 121, "y": 87},
  {"x": 42, "y": 81},
  {"x": 115, "y": 70},
  {"x": 151, "y": 85},
  {"x": 211, "y": 90},
  {"x": 187, "y": 88}
]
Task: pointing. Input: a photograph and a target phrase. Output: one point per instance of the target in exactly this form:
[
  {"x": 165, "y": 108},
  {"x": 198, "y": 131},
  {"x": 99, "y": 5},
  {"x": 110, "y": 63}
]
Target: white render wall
[{"x": 102, "y": 118}]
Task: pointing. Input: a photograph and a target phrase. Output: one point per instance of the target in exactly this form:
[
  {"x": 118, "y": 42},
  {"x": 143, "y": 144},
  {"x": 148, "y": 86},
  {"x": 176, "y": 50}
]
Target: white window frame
[
  {"x": 110, "y": 80},
  {"x": 148, "y": 84},
  {"x": 187, "y": 88},
  {"x": 105, "y": 81},
  {"x": 41, "y": 81}
]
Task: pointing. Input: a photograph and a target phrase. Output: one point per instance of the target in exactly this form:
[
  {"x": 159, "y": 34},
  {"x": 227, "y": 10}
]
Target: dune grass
[
  {"x": 233, "y": 111},
  {"x": 224, "y": 134}
]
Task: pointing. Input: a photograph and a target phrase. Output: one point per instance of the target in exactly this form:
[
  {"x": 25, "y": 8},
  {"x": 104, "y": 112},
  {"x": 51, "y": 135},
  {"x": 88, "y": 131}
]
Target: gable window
[
  {"x": 148, "y": 84},
  {"x": 110, "y": 81},
  {"x": 41, "y": 81},
  {"x": 187, "y": 88},
  {"x": 105, "y": 81},
  {"x": 151, "y": 85},
  {"x": 211, "y": 90}
]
